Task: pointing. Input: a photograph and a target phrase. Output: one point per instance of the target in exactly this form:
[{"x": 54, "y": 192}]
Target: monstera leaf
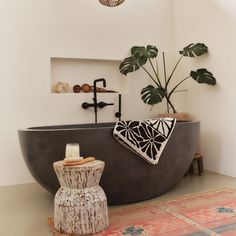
[
  {"x": 139, "y": 57},
  {"x": 144, "y": 53},
  {"x": 151, "y": 95},
  {"x": 130, "y": 64},
  {"x": 203, "y": 76},
  {"x": 194, "y": 50}
]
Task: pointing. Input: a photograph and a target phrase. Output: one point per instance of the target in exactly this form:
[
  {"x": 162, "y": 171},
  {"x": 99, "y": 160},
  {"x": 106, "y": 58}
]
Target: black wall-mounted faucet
[
  {"x": 95, "y": 94},
  {"x": 95, "y": 104}
]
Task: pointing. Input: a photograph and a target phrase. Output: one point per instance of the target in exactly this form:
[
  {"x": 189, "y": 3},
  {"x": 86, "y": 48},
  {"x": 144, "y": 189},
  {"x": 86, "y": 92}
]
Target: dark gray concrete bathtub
[{"x": 127, "y": 177}]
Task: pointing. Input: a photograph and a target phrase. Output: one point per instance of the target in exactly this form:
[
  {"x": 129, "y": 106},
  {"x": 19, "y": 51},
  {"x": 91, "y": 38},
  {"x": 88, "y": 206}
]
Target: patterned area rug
[{"x": 211, "y": 213}]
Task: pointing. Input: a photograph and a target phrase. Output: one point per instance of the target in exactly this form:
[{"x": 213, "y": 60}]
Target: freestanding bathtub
[{"x": 127, "y": 178}]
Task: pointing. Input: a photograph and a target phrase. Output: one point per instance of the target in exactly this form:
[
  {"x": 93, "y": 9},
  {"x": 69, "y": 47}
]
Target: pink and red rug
[{"x": 211, "y": 213}]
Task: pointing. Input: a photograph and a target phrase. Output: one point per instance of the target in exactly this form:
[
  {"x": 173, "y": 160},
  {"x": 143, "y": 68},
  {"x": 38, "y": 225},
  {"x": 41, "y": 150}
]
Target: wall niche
[{"x": 68, "y": 72}]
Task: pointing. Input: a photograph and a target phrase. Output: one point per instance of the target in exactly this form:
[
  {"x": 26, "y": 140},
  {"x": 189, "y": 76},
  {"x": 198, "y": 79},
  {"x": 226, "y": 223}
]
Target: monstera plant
[{"x": 160, "y": 89}]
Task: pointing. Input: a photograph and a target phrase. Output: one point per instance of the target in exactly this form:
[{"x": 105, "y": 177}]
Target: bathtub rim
[{"x": 46, "y": 128}]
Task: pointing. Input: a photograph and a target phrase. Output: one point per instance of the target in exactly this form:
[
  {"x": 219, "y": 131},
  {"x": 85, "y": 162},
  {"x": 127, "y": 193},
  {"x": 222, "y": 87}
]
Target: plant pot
[{"x": 179, "y": 116}]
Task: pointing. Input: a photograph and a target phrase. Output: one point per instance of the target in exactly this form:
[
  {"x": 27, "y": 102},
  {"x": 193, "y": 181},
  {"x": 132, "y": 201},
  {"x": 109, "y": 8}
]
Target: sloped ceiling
[{"x": 228, "y": 6}]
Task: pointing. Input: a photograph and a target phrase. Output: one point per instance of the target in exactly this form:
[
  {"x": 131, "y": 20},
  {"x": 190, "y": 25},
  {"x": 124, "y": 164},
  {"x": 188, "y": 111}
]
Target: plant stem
[
  {"x": 170, "y": 103},
  {"x": 178, "y": 86},
  {"x": 180, "y": 91},
  {"x": 157, "y": 66},
  {"x": 151, "y": 76},
  {"x": 166, "y": 91},
  {"x": 155, "y": 72},
  {"x": 168, "y": 81},
  {"x": 164, "y": 65}
]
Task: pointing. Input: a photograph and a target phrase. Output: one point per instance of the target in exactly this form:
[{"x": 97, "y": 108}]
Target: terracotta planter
[{"x": 179, "y": 116}]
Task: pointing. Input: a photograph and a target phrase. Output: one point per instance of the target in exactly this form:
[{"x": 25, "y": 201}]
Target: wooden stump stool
[
  {"x": 198, "y": 157},
  {"x": 80, "y": 205}
]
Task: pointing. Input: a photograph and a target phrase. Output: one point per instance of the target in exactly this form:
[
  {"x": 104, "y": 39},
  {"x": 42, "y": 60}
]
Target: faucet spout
[{"x": 99, "y": 80}]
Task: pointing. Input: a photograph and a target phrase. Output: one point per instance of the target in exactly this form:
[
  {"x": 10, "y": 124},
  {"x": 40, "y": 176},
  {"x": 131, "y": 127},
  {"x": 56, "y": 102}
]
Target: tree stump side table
[{"x": 80, "y": 205}]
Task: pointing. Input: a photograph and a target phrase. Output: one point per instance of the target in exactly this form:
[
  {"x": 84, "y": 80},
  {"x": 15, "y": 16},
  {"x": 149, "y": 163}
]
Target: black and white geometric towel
[{"x": 146, "y": 138}]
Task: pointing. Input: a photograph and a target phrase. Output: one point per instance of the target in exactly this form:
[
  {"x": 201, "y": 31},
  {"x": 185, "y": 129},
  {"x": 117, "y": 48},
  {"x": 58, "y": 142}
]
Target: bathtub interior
[
  {"x": 75, "y": 126},
  {"x": 82, "y": 126}
]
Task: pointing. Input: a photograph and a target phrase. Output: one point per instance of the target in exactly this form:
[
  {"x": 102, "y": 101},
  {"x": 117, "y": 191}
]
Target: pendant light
[{"x": 111, "y": 3}]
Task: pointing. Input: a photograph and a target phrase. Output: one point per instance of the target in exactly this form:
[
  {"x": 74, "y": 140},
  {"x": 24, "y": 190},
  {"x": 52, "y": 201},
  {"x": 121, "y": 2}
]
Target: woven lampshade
[{"x": 111, "y": 3}]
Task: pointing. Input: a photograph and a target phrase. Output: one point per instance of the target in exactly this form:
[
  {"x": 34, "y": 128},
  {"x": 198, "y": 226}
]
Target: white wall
[
  {"x": 211, "y": 22},
  {"x": 34, "y": 31}
]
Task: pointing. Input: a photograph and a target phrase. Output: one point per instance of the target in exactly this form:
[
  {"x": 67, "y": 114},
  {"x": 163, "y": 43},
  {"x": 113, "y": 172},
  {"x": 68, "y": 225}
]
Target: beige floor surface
[{"x": 24, "y": 209}]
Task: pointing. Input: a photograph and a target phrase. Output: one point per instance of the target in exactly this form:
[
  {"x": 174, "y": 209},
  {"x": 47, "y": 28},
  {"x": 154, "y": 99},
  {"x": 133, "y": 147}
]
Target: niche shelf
[{"x": 79, "y": 71}]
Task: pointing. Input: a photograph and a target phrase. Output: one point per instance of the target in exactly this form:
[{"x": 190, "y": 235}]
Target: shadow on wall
[{"x": 211, "y": 147}]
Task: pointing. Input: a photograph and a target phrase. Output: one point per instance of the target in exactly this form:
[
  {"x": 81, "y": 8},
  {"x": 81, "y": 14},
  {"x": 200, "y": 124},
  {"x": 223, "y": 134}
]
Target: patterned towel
[{"x": 146, "y": 138}]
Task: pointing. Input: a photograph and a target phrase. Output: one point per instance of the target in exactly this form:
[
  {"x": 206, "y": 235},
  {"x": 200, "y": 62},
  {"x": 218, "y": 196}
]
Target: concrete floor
[{"x": 24, "y": 208}]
